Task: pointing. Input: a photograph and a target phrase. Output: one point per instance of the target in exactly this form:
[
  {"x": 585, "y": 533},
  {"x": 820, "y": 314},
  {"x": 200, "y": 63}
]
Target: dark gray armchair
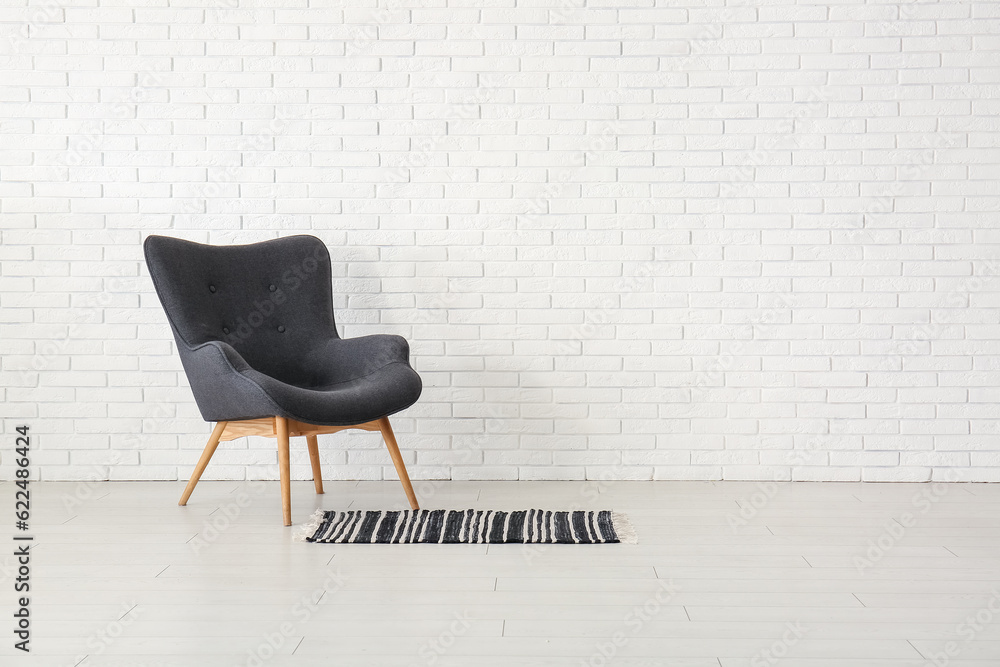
[{"x": 255, "y": 330}]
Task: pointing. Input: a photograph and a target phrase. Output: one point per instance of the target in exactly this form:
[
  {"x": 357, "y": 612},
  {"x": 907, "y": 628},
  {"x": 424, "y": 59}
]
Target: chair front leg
[
  {"x": 206, "y": 456},
  {"x": 281, "y": 426},
  {"x": 314, "y": 460},
  {"x": 397, "y": 460}
]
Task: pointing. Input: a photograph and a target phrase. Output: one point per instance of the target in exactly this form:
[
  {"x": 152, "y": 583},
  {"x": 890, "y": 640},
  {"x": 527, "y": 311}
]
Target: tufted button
[
  {"x": 272, "y": 288},
  {"x": 225, "y": 330},
  {"x": 211, "y": 288},
  {"x": 281, "y": 329}
]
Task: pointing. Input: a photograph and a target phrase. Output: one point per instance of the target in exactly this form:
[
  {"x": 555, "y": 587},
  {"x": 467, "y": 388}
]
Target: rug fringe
[
  {"x": 309, "y": 528},
  {"x": 626, "y": 533}
]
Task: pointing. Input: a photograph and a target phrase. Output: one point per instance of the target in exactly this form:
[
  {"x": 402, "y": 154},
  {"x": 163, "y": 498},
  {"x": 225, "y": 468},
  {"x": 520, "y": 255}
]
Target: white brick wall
[{"x": 644, "y": 240}]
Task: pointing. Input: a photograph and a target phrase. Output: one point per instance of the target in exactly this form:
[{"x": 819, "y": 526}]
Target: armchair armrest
[{"x": 215, "y": 371}]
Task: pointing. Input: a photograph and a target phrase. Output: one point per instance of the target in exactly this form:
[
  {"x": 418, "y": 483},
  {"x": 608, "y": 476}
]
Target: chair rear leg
[
  {"x": 206, "y": 456},
  {"x": 314, "y": 460},
  {"x": 397, "y": 460},
  {"x": 281, "y": 425}
]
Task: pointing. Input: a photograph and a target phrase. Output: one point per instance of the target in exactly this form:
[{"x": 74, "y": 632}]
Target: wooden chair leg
[
  {"x": 397, "y": 460},
  {"x": 206, "y": 456},
  {"x": 281, "y": 425},
  {"x": 314, "y": 460}
]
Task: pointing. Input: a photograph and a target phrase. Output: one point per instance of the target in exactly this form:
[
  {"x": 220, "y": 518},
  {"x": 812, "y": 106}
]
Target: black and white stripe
[{"x": 466, "y": 527}]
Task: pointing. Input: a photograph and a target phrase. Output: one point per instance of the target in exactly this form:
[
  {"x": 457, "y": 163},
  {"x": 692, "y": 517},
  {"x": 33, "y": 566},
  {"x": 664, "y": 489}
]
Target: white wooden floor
[{"x": 123, "y": 576}]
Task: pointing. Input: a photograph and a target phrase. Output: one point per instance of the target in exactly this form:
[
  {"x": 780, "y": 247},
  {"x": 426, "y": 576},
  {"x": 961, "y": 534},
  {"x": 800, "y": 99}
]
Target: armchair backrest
[{"x": 271, "y": 301}]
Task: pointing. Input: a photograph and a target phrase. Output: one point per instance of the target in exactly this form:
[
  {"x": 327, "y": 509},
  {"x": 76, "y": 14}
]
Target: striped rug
[{"x": 468, "y": 527}]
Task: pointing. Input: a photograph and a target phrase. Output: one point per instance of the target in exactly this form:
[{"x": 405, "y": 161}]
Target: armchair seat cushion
[{"x": 375, "y": 380}]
